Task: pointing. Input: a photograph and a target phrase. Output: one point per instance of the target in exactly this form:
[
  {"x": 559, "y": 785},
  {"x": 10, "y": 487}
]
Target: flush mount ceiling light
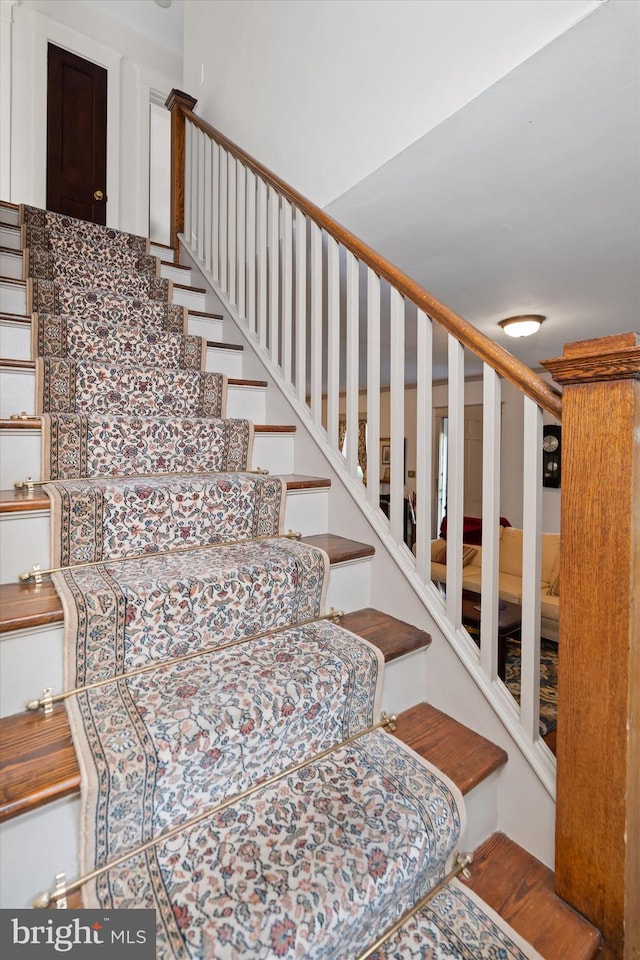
[
  {"x": 522, "y": 326},
  {"x": 162, "y": 3}
]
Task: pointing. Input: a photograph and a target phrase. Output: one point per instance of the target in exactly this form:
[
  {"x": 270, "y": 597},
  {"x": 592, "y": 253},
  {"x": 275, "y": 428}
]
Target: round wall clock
[{"x": 551, "y": 463}]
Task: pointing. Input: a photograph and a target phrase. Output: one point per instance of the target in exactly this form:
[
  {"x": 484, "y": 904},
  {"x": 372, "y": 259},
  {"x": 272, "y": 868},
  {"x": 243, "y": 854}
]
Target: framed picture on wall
[{"x": 385, "y": 452}]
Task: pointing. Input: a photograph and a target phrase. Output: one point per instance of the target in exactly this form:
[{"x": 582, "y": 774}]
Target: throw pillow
[{"x": 468, "y": 553}]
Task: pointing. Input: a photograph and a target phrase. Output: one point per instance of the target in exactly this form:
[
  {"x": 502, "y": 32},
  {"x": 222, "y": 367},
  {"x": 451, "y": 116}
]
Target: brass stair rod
[
  {"x": 62, "y": 889},
  {"x": 37, "y": 574},
  {"x": 462, "y": 862},
  {"x": 48, "y": 701},
  {"x": 28, "y": 483}
]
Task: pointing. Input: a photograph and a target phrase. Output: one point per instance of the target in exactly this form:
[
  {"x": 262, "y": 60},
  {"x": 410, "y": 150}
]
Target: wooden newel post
[
  {"x": 598, "y": 797},
  {"x": 177, "y": 102}
]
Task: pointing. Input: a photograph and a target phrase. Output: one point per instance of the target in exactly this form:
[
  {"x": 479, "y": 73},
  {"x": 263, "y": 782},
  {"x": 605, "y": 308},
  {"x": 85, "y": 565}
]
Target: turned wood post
[
  {"x": 177, "y": 102},
  {"x": 598, "y": 797}
]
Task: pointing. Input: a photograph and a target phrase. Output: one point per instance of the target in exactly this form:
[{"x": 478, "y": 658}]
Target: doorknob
[{"x": 98, "y": 195}]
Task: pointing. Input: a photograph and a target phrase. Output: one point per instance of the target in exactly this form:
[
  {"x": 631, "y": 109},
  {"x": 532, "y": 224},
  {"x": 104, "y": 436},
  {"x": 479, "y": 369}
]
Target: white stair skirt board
[
  {"x": 9, "y": 215},
  {"x": 17, "y": 393},
  {"x": 41, "y": 647},
  {"x": 13, "y": 297},
  {"x": 10, "y": 237},
  {"x": 177, "y": 274},
  {"x": 25, "y": 536},
  {"x": 15, "y": 344},
  {"x": 192, "y": 299},
  {"x": 20, "y": 455},
  {"x": 11, "y": 264}
]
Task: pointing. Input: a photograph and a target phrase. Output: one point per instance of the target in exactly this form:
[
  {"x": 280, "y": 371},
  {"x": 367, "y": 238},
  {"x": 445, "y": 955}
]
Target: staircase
[{"x": 40, "y": 773}]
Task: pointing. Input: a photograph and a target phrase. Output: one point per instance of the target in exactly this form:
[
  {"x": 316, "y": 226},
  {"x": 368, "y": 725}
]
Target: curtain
[{"x": 362, "y": 448}]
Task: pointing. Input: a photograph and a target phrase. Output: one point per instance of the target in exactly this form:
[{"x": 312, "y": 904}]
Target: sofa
[{"x": 510, "y": 573}]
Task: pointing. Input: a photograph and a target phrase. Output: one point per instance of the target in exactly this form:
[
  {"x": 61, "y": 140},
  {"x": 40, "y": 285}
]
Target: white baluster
[
  {"x": 333, "y": 341},
  {"x": 373, "y": 389},
  {"x": 215, "y": 202},
  {"x": 208, "y": 203},
  {"x": 352, "y": 366},
  {"x": 492, "y": 391},
  {"x": 274, "y": 275},
  {"x": 316, "y": 323},
  {"x": 301, "y": 306},
  {"x": 224, "y": 260},
  {"x": 200, "y": 196},
  {"x": 241, "y": 238},
  {"x": 261, "y": 248},
  {"x": 251, "y": 251},
  {"x": 531, "y": 570},
  {"x": 424, "y": 442},
  {"x": 287, "y": 288},
  {"x": 396, "y": 416},
  {"x": 231, "y": 231},
  {"x": 188, "y": 180},
  {"x": 455, "y": 482}
]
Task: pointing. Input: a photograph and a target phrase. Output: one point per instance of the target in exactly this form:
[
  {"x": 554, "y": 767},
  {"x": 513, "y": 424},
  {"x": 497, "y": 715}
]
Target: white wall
[
  {"x": 135, "y": 65},
  {"x": 326, "y": 91}
]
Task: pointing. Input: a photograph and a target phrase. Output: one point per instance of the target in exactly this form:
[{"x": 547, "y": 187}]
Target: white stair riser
[
  {"x": 15, "y": 344},
  {"x": 17, "y": 394},
  {"x": 9, "y": 215},
  {"x": 157, "y": 250},
  {"x": 177, "y": 274},
  {"x": 13, "y": 299},
  {"x": 20, "y": 455},
  {"x": 349, "y": 589},
  {"x": 11, "y": 265},
  {"x": 191, "y": 299},
  {"x": 211, "y": 328},
  {"x": 25, "y": 537},
  {"x": 10, "y": 237}
]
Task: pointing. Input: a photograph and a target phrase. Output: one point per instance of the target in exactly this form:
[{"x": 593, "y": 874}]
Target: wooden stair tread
[
  {"x": 520, "y": 889},
  {"x": 394, "y": 637},
  {"x": 220, "y": 345},
  {"x": 33, "y": 423},
  {"x": 463, "y": 755},
  {"x": 21, "y": 501},
  {"x": 15, "y": 317},
  {"x": 205, "y": 315},
  {"x": 37, "y": 758},
  {"x": 26, "y": 605},
  {"x": 187, "y": 286}
]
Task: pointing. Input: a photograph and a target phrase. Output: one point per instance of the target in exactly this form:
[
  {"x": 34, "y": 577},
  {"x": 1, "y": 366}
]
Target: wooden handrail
[{"x": 492, "y": 353}]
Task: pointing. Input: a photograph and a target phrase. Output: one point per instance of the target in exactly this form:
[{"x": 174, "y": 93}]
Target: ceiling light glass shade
[
  {"x": 522, "y": 326},
  {"x": 162, "y": 3}
]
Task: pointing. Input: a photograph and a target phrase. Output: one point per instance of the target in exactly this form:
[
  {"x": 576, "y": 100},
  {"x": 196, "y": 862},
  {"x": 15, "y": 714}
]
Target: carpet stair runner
[{"x": 218, "y": 720}]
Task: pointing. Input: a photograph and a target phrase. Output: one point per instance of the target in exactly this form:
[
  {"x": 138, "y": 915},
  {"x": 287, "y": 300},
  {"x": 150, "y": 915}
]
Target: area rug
[
  {"x": 64, "y": 386},
  {"x": 152, "y": 312},
  {"x": 76, "y": 446},
  {"x": 97, "y": 520},
  {"x": 55, "y": 335},
  {"x": 548, "y": 681},
  {"x": 315, "y": 865},
  {"x": 456, "y": 925}
]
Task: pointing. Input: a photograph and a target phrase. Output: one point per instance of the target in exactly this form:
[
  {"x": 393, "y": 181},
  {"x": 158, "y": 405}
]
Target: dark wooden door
[{"x": 76, "y": 136}]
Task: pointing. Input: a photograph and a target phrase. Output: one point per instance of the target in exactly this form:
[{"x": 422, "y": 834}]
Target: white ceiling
[
  {"x": 528, "y": 199},
  {"x": 165, "y": 26}
]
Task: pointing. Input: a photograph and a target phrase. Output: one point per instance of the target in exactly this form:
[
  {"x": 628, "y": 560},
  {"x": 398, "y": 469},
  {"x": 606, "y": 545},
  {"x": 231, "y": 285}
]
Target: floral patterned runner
[
  {"x": 111, "y": 389},
  {"x": 131, "y": 281},
  {"x": 75, "y": 446},
  {"x": 104, "y": 519},
  {"x": 152, "y": 312},
  {"x": 70, "y": 228},
  {"x": 316, "y": 865},
  {"x": 108, "y": 342}
]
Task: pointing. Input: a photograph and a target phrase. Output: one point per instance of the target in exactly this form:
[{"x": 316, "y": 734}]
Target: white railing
[{"x": 349, "y": 338}]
